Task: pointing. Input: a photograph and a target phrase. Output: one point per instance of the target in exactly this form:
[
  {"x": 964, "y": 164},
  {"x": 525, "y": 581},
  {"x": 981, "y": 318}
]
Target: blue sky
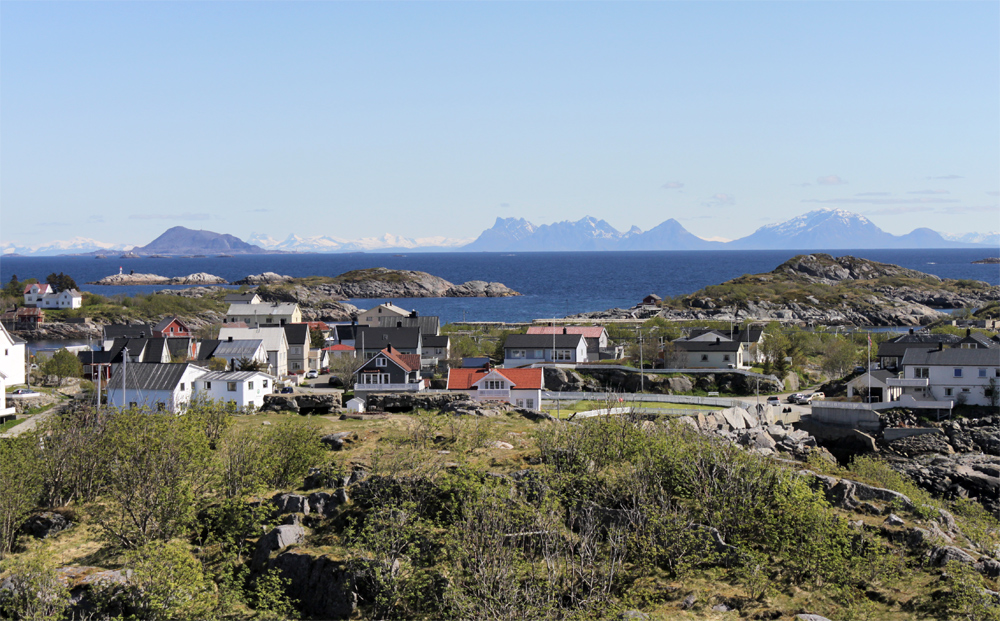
[{"x": 119, "y": 120}]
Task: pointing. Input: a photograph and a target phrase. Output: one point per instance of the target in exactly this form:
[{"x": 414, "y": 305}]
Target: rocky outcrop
[
  {"x": 325, "y": 587},
  {"x": 265, "y": 278},
  {"x": 278, "y": 539},
  {"x": 311, "y": 403},
  {"x": 480, "y": 289},
  {"x": 988, "y": 261},
  {"x": 964, "y": 475},
  {"x": 818, "y": 289},
  {"x": 46, "y": 524},
  {"x": 625, "y": 379},
  {"x": 407, "y": 402},
  {"x": 200, "y": 278},
  {"x": 59, "y": 330}
]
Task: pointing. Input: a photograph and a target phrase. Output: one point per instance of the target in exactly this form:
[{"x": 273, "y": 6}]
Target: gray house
[
  {"x": 369, "y": 341},
  {"x": 389, "y": 371}
]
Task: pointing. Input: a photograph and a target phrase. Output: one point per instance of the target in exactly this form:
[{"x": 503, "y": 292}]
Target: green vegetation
[
  {"x": 141, "y": 307},
  {"x": 579, "y": 520}
]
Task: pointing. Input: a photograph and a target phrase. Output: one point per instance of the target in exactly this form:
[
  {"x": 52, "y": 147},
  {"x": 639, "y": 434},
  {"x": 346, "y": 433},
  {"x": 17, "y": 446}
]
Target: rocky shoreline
[
  {"x": 201, "y": 278},
  {"x": 858, "y": 293}
]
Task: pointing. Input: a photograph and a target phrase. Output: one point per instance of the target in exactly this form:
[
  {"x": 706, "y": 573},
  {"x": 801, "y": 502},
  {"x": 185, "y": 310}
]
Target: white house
[
  {"x": 4, "y": 409},
  {"x": 157, "y": 386},
  {"x": 521, "y": 350},
  {"x": 717, "y": 353},
  {"x": 42, "y": 295},
  {"x": 12, "y": 363},
  {"x": 520, "y": 387},
  {"x": 960, "y": 375},
  {"x": 256, "y": 315},
  {"x": 233, "y": 351},
  {"x": 275, "y": 344},
  {"x": 243, "y": 388}
]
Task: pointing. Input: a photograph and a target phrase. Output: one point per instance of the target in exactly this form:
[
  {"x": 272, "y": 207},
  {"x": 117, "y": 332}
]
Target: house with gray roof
[
  {"x": 890, "y": 353},
  {"x": 244, "y": 389},
  {"x": 247, "y": 297},
  {"x": 957, "y": 375},
  {"x": 156, "y": 386},
  {"x": 717, "y": 353},
  {"x": 235, "y": 351},
  {"x": 521, "y": 350},
  {"x": 369, "y": 341},
  {"x": 275, "y": 344},
  {"x": 429, "y": 325}
]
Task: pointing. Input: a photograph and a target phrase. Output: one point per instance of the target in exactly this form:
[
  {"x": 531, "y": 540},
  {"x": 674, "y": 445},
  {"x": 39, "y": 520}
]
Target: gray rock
[
  {"x": 325, "y": 504},
  {"x": 894, "y": 520},
  {"x": 988, "y": 567},
  {"x": 278, "y": 539},
  {"x": 634, "y": 615},
  {"x": 810, "y": 617},
  {"x": 721, "y": 608},
  {"x": 325, "y": 588},
  {"x": 942, "y": 556},
  {"x": 336, "y": 441},
  {"x": 291, "y": 503},
  {"x": 689, "y": 601},
  {"x": 42, "y": 525}
]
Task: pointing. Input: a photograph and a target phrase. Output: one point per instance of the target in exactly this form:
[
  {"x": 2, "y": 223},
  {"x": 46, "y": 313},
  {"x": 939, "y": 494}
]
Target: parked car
[
  {"x": 286, "y": 390},
  {"x": 25, "y": 392},
  {"x": 818, "y": 395},
  {"x": 804, "y": 399},
  {"x": 794, "y": 397},
  {"x": 772, "y": 400},
  {"x": 312, "y": 374}
]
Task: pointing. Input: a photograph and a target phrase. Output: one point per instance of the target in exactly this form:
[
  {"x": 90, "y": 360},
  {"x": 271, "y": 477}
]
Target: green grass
[{"x": 13, "y": 423}]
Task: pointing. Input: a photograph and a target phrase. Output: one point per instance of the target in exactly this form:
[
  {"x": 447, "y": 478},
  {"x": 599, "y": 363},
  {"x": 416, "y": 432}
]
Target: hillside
[
  {"x": 819, "y": 289},
  {"x": 436, "y": 514}
]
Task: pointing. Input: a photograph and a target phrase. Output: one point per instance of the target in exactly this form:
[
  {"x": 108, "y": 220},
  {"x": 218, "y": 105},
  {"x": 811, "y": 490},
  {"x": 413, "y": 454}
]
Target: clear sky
[{"x": 121, "y": 119}]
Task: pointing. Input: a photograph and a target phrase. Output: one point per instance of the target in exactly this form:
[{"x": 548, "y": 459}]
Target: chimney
[
  {"x": 717, "y": 340},
  {"x": 911, "y": 330},
  {"x": 565, "y": 331},
  {"x": 968, "y": 332},
  {"x": 399, "y": 324},
  {"x": 413, "y": 313},
  {"x": 940, "y": 347}
]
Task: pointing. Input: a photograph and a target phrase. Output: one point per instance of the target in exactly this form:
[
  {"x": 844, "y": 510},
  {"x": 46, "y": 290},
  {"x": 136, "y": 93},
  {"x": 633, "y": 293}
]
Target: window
[
  {"x": 182, "y": 385},
  {"x": 381, "y": 362},
  {"x": 982, "y": 372},
  {"x": 539, "y": 353},
  {"x": 268, "y": 320},
  {"x": 132, "y": 404},
  {"x": 947, "y": 392},
  {"x": 921, "y": 372},
  {"x": 704, "y": 357},
  {"x": 966, "y": 390},
  {"x": 531, "y": 404},
  {"x": 958, "y": 372},
  {"x": 494, "y": 385},
  {"x": 208, "y": 385},
  {"x": 250, "y": 385},
  {"x": 296, "y": 350},
  {"x": 517, "y": 353},
  {"x": 231, "y": 386},
  {"x": 726, "y": 357},
  {"x": 520, "y": 403},
  {"x": 264, "y": 383},
  {"x": 160, "y": 406}
]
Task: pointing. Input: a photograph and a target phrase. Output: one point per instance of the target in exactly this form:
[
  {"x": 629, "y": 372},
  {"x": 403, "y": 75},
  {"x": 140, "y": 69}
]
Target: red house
[{"x": 171, "y": 327}]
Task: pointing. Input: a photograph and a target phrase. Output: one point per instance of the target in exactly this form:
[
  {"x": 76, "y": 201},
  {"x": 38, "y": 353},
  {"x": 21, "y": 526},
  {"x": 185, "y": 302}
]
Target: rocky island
[
  {"x": 987, "y": 261},
  {"x": 819, "y": 289},
  {"x": 201, "y": 278},
  {"x": 376, "y": 282}
]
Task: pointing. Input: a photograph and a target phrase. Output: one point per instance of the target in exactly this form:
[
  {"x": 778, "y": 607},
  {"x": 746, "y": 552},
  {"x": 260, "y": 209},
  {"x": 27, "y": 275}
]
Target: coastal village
[{"x": 278, "y": 349}]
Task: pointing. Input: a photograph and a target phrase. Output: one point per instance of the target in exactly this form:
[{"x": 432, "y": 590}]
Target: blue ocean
[{"x": 553, "y": 284}]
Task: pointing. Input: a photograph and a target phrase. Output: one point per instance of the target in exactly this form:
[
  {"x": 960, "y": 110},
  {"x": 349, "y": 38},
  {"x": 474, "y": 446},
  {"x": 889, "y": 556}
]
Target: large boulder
[
  {"x": 278, "y": 539},
  {"x": 42, "y": 525},
  {"x": 947, "y": 554},
  {"x": 315, "y": 403},
  {"x": 325, "y": 588},
  {"x": 336, "y": 441},
  {"x": 291, "y": 503},
  {"x": 280, "y": 403},
  {"x": 407, "y": 402}
]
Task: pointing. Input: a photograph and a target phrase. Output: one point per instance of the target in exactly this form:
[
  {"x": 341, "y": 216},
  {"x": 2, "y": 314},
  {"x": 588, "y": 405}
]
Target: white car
[
  {"x": 773, "y": 400},
  {"x": 312, "y": 374}
]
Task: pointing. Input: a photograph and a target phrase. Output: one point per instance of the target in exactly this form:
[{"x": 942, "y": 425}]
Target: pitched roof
[
  {"x": 339, "y": 347},
  {"x": 345, "y": 332},
  {"x": 42, "y": 287},
  {"x": 979, "y": 339},
  {"x": 952, "y": 357},
  {"x": 708, "y": 346},
  {"x": 230, "y": 376},
  {"x": 207, "y": 348},
  {"x": 378, "y": 338},
  {"x": 166, "y": 321},
  {"x": 179, "y": 347},
  {"x": 94, "y": 357},
  {"x": 266, "y": 309},
  {"x": 129, "y": 330},
  {"x": 274, "y": 340},
  {"x": 522, "y": 379},
  {"x": 149, "y": 375},
  {"x": 542, "y": 341},
  {"x": 237, "y": 348},
  {"x": 154, "y": 350},
  {"x": 317, "y": 325},
  {"x": 389, "y": 306},
  {"x": 297, "y": 333},
  {"x": 409, "y": 362},
  {"x": 589, "y": 332},
  {"x": 437, "y": 341},
  {"x": 428, "y": 324},
  {"x": 895, "y": 348}
]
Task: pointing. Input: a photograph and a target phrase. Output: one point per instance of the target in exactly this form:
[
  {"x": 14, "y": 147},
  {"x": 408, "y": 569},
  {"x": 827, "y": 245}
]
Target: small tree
[
  {"x": 246, "y": 364},
  {"x": 343, "y": 367},
  {"x": 64, "y": 364},
  {"x": 316, "y": 339},
  {"x": 20, "y": 483},
  {"x": 217, "y": 364}
]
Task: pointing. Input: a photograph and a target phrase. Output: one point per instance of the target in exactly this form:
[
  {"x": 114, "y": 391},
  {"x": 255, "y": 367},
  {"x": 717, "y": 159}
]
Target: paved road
[{"x": 33, "y": 421}]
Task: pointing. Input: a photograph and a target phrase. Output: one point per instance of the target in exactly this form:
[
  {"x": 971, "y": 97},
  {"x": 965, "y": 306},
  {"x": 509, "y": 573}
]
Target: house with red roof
[
  {"x": 389, "y": 371},
  {"x": 598, "y": 347},
  {"x": 520, "y": 387},
  {"x": 340, "y": 350}
]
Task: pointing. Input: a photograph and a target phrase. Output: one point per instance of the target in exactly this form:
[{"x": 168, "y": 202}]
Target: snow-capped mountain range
[
  {"x": 324, "y": 243},
  {"x": 822, "y": 229}
]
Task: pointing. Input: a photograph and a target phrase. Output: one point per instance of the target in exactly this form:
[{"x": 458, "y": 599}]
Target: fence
[{"x": 720, "y": 402}]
